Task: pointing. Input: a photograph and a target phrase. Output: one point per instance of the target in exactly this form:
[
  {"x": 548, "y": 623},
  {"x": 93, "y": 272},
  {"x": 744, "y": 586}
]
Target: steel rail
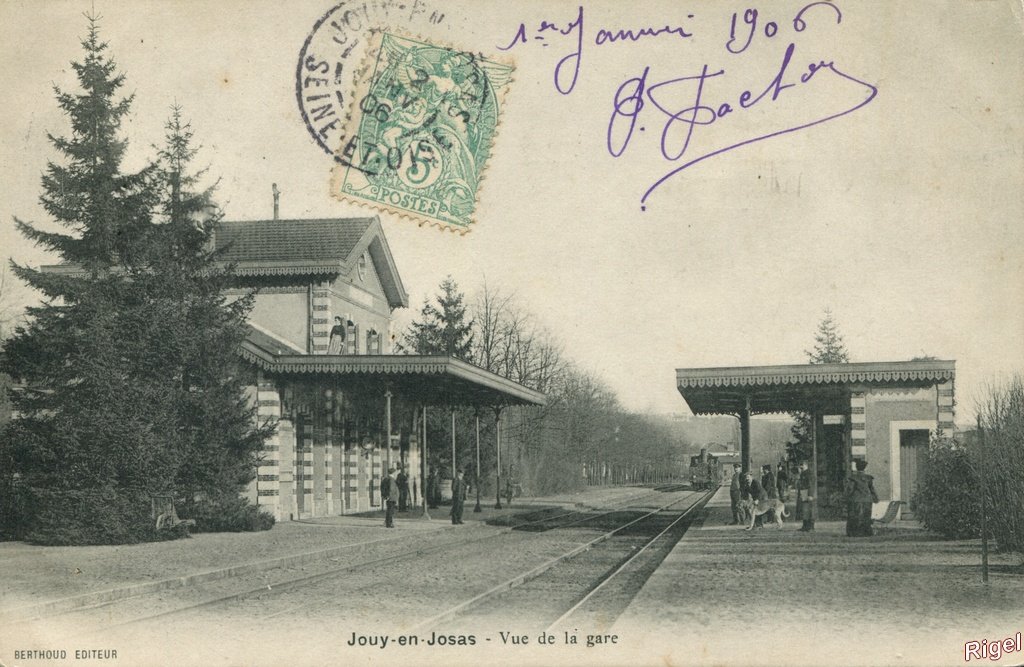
[
  {"x": 604, "y": 580},
  {"x": 547, "y": 565},
  {"x": 298, "y": 582}
]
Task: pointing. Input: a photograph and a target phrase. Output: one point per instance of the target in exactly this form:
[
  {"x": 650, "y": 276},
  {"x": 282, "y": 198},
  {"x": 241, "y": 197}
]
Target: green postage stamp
[{"x": 420, "y": 130}]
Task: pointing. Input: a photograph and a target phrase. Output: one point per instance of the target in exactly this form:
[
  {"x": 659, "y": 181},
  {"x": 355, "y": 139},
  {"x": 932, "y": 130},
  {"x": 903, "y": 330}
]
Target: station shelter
[
  {"x": 343, "y": 418},
  {"x": 884, "y": 412}
]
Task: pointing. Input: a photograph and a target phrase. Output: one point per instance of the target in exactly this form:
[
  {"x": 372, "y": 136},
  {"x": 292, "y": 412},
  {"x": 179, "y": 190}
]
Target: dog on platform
[{"x": 755, "y": 509}]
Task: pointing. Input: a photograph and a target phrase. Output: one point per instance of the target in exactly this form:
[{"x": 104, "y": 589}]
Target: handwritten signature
[
  {"x": 638, "y": 93},
  {"x": 633, "y": 94}
]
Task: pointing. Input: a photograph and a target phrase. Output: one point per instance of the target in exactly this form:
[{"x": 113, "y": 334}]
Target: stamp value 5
[{"x": 420, "y": 130}]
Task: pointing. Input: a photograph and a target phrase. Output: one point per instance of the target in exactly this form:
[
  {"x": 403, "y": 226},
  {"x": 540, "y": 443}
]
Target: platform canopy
[
  {"x": 820, "y": 388},
  {"x": 428, "y": 380}
]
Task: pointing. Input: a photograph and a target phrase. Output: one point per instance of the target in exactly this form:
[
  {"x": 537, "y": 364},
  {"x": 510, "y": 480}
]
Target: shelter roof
[
  {"x": 801, "y": 387},
  {"x": 431, "y": 380}
]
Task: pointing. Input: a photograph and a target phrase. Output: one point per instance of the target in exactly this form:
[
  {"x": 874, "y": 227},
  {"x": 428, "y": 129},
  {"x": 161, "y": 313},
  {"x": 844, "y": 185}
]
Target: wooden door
[{"x": 913, "y": 461}]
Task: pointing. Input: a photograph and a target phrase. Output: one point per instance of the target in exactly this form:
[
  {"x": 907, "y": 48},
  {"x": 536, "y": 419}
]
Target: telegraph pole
[{"x": 984, "y": 502}]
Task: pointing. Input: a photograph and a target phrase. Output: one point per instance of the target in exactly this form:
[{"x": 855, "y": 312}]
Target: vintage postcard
[{"x": 414, "y": 332}]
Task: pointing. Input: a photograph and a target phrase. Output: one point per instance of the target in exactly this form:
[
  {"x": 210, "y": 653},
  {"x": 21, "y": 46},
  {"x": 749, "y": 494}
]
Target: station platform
[
  {"x": 39, "y": 579},
  {"x": 774, "y": 596}
]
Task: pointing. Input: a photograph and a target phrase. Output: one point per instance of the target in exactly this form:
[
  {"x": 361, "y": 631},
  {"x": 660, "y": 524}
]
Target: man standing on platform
[
  {"x": 768, "y": 482},
  {"x": 757, "y": 496},
  {"x": 805, "y": 498},
  {"x": 389, "y": 494},
  {"x": 458, "y": 497},
  {"x": 403, "y": 490},
  {"x": 734, "y": 494},
  {"x": 433, "y": 489},
  {"x": 782, "y": 481}
]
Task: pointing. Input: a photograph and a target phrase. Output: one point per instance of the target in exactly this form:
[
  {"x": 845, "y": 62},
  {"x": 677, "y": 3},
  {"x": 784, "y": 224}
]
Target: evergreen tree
[
  {"x": 219, "y": 445},
  {"x": 122, "y": 363},
  {"x": 443, "y": 329},
  {"x": 829, "y": 348},
  {"x": 87, "y": 440}
]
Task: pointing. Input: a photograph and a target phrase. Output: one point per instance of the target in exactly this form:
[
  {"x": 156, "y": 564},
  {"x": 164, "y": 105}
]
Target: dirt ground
[
  {"x": 35, "y": 574},
  {"x": 783, "y": 597},
  {"x": 723, "y": 596}
]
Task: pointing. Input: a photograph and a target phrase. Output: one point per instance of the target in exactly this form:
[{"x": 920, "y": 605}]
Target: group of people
[
  {"x": 745, "y": 491},
  {"x": 394, "y": 492}
]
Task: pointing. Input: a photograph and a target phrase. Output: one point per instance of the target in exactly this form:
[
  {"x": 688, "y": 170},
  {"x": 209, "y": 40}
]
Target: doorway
[{"x": 913, "y": 462}]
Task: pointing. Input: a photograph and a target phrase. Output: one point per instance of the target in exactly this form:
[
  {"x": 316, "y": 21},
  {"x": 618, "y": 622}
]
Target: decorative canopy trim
[
  {"x": 244, "y": 269},
  {"x": 824, "y": 388},
  {"x": 447, "y": 370},
  {"x": 859, "y": 373}
]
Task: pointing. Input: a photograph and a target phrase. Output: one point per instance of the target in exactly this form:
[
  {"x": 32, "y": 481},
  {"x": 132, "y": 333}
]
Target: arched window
[{"x": 373, "y": 342}]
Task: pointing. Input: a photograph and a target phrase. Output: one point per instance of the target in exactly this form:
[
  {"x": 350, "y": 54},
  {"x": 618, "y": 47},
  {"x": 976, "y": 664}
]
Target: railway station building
[
  {"x": 344, "y": 414},
  {"x": 884, "y": 412}
]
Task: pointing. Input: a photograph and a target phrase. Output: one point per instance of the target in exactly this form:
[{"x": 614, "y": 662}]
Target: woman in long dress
[{"x": 336, "y": 345}]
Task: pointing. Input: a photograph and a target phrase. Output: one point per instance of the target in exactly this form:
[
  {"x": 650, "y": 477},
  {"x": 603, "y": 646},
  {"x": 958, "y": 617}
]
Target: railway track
[
  {"x": 274, "y": 586},
  {"x": 588, "y": 586}
]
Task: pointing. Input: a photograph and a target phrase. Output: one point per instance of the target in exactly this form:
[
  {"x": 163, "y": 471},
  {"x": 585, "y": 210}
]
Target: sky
[{"x": 899, "y": 205}]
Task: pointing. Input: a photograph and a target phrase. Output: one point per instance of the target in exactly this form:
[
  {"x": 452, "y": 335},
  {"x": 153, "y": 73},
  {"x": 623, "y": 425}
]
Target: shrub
[
  {"x": 13, "y": 508},
  {"x": 948, "y": 497},
  {"x": 91, "y": 516},
  {"x": 1000, "y": 445},
  {"x": 228, "y": 515}
]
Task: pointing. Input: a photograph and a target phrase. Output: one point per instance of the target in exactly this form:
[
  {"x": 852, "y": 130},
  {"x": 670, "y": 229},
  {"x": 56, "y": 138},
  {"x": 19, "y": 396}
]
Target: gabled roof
[
  {"x": 800, "y": 387},
  {"x": 323, "y": 240},
  {"x": 319, "y": 246}
]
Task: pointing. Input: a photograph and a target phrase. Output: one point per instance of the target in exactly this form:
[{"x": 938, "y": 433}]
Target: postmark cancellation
[{"x": 420, "y": 129}]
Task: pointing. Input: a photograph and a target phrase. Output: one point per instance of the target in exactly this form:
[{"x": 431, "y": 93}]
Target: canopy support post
[
  {"x": 423, "y": 465},
  {"x": 476, "y": 482},
  {"x": 745, "y": 436},
  {"x": 497, "y": 449}
]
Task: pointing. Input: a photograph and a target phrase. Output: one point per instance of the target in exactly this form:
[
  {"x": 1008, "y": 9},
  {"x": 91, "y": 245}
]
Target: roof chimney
[{"x": 277, "y": 199}]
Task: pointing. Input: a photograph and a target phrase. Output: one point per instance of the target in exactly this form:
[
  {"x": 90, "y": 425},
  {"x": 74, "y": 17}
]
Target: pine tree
[
  {"x": 443, "y": 329},
  {"x": 829, "y": 348},
  {"x": 87, "y": 441},
  {"x": 220, "y": 444},
  {"x": 122, "y": 365}
]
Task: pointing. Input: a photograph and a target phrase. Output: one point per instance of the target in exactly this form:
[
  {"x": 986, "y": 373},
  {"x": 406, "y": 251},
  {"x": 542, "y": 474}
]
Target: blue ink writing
[
  {"x": 630, "y": 98},
  {"x": 571, "y": 71},
  {"x": 567, "y": 70},
  {"x": 622, "y": 35},
  {"x": 771, "y": 28}
]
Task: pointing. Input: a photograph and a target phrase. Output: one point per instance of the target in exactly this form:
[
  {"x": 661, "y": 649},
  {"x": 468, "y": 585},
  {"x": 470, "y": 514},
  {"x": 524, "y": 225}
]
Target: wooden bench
[
  {"x": 891, "y": 512},
  {"x": 165, "y": 515}
]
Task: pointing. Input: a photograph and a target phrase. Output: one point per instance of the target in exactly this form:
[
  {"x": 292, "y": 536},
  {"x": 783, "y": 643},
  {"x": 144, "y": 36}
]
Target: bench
[
  {"x": 891, "y": 512},
  {"x": 165, "y": 514}
]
